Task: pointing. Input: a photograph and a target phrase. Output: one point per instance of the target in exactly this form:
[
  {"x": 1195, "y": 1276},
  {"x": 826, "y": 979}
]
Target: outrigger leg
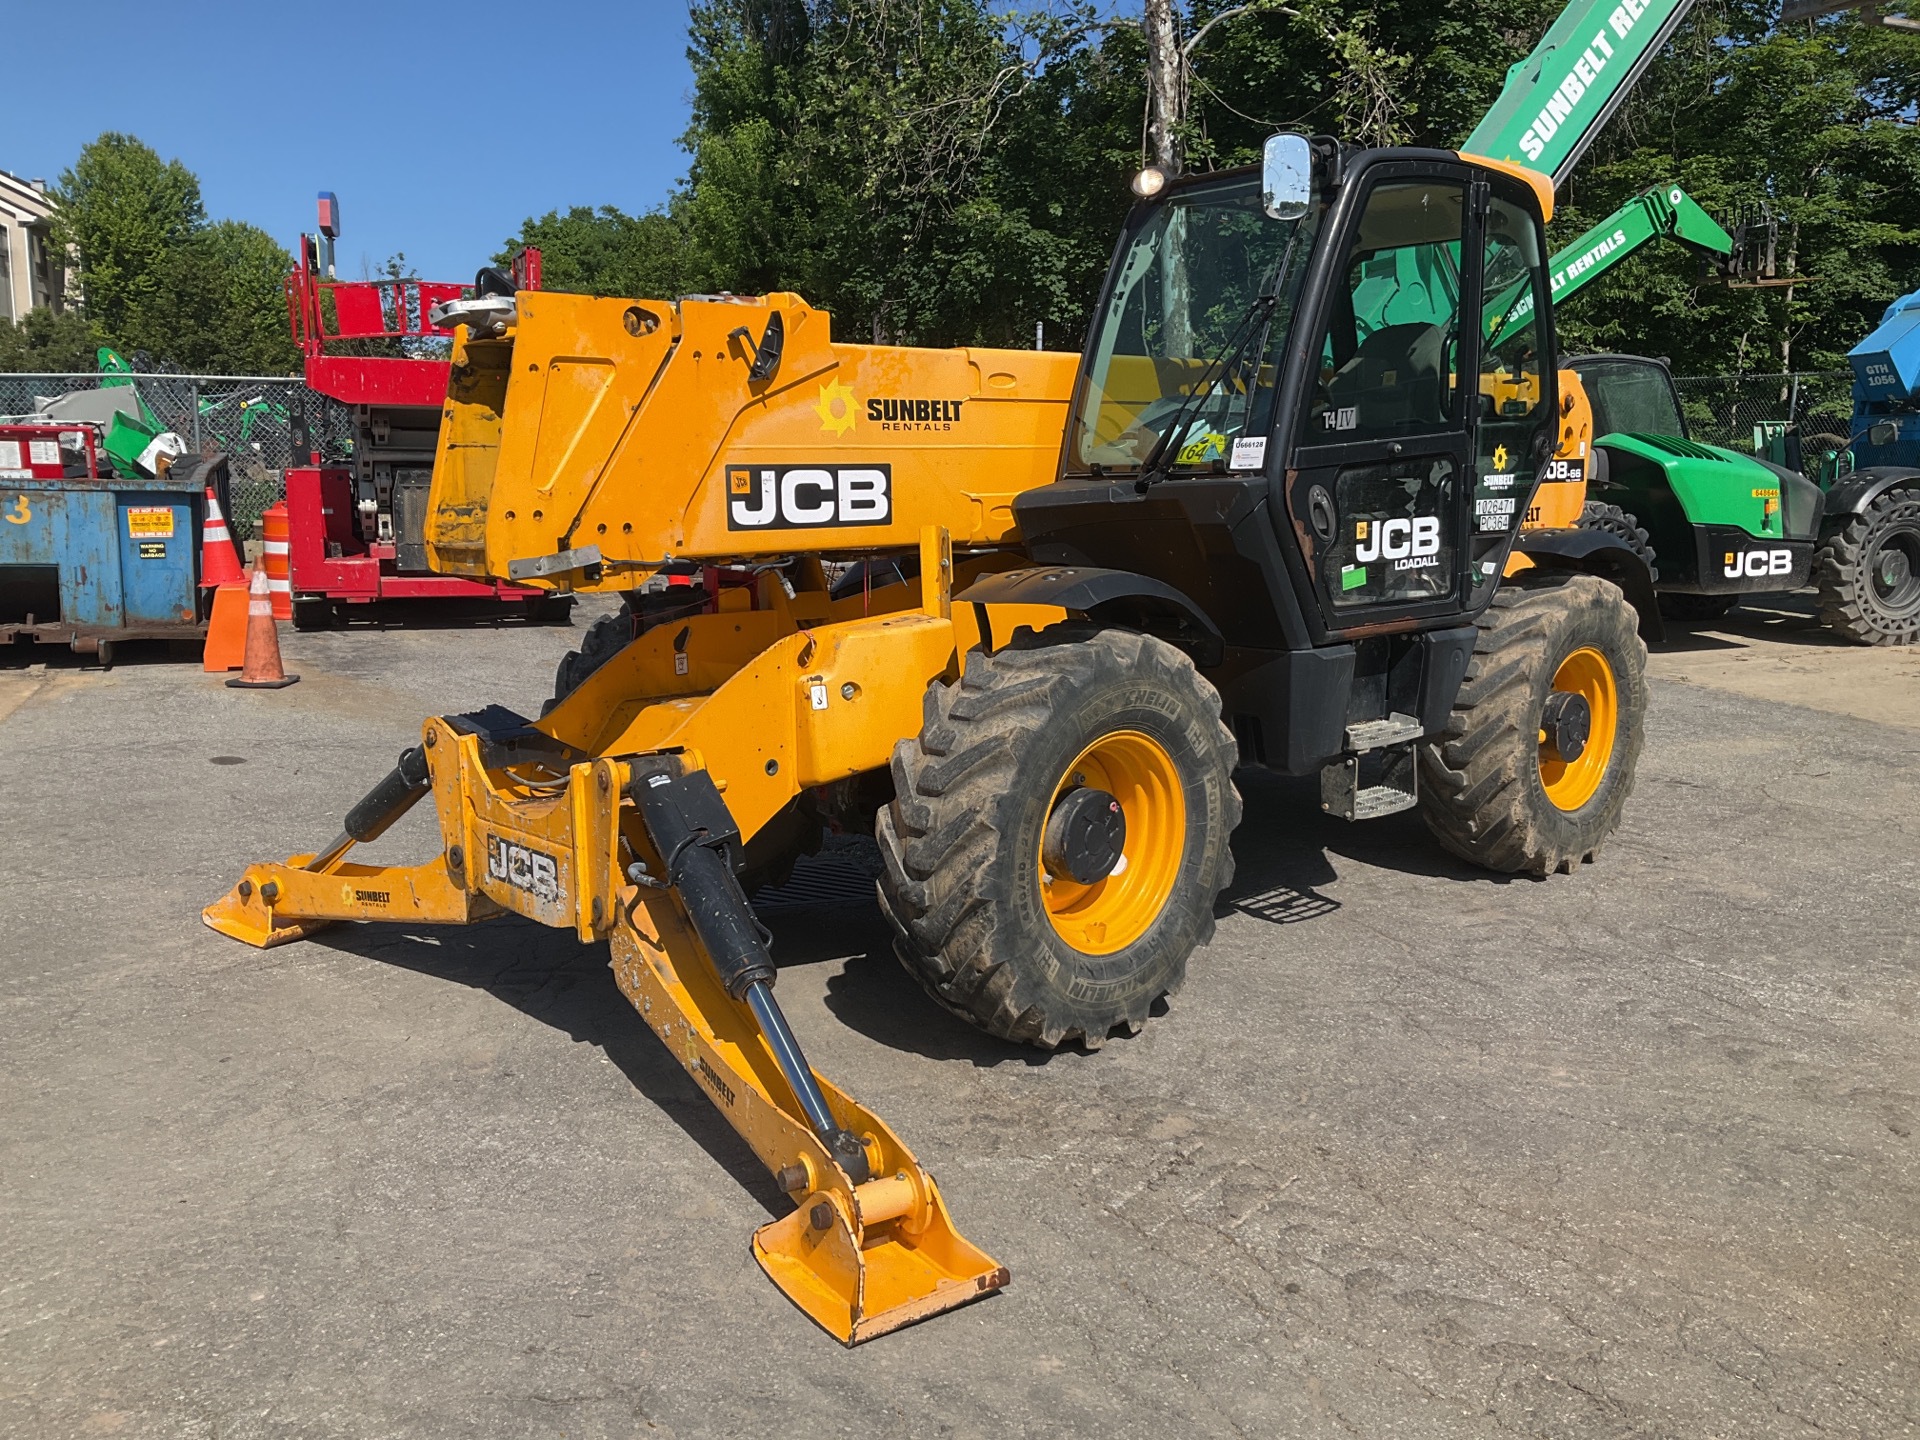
[{"x": 870, "y": 1246}]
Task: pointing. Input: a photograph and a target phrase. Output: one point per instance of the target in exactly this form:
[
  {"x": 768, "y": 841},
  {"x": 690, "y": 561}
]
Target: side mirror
[
  {"x": 1286, "y": 176},
  {"x": 1882, "y": 432}
]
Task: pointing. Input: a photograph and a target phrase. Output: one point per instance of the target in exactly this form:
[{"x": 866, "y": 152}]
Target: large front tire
[
  {"x": 1868, "y": 572},
  {"x": 979, "y": 876},
  {"x": 1495, "y": 787}
]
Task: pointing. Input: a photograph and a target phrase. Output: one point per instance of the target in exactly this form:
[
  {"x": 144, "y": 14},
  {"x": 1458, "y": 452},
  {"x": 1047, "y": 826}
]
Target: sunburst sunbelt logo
[{"x": 835, "y": 408}]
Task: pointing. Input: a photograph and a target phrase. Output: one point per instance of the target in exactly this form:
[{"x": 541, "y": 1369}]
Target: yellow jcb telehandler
[{"x": 1237, "y": 531}]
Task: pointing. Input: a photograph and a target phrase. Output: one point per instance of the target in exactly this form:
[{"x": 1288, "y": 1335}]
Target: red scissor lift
[{"x": 357, "y": 524}]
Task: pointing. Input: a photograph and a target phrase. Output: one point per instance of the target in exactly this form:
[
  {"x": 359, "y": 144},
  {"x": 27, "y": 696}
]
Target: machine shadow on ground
[
  {"x": 827, "y": 914},
  {"x": 127, "y": 655},
  {"x": 1283, "y": 851},
  {"x": 443, "y": 615},
  {"x": 1763, "y": 619},
  {"x": 549, "y": 976}
]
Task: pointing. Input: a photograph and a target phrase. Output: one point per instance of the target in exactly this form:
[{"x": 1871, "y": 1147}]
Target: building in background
[{"x": 32, "y": 270}]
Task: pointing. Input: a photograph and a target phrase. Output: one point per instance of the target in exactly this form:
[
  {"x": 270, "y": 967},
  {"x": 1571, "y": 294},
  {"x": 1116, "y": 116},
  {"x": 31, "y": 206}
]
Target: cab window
[
  {"x": 1631, "y": 399},
  {"x": 1388, "y": 355}
]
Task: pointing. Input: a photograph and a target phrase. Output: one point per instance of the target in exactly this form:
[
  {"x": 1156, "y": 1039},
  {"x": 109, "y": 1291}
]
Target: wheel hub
[
  {"x": 1895, "y": 569},
  {"x": 1085, "y": 836},
  {"x": 1566, "y": 723}
]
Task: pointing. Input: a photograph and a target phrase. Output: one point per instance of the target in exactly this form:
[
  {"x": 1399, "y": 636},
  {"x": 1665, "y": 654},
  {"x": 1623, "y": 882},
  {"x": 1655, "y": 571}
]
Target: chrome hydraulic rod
[{"x": 694, "y": 832}]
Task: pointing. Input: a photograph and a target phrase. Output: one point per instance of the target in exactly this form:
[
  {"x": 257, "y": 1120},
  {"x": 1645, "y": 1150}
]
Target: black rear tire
[
  {"x": 314, "y": 614},
  {"x": 1868, "y": 572},
  {"x": 961, "y": 842},
  {"x": 1598, "y": 515},
  {"x": 606, "y": 637},
  {"x": 1482, "y": 789}
]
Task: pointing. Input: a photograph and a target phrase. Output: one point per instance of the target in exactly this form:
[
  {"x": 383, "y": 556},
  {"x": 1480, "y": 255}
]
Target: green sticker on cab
[{"x": 1352, "y": 577}]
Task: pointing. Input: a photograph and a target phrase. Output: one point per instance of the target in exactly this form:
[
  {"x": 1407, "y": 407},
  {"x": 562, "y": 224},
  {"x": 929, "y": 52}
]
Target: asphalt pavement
[{"x": 1416, "y": 1152}]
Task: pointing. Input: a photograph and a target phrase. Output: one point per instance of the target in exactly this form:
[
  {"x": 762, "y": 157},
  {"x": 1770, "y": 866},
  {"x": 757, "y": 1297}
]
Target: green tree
[
  {"x": 124, "y": 210},
  {"x": 608, "y": 252},
  {"x": 1810, "y": 123},
  {"x": 934, "y": 173},
  {"x": 48, "y": 343},
  {"x": 216, "y": 304}
]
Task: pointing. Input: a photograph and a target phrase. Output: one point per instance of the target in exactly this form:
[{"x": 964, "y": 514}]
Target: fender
[
  {"x": 1853, "y": 493},
  {"x": 1594, "y": 552},
  {"x": 1121, "y": 597}
]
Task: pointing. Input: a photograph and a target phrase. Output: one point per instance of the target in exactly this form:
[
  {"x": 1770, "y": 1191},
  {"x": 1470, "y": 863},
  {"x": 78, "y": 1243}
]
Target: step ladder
[{"x": 1394, "y": 778}]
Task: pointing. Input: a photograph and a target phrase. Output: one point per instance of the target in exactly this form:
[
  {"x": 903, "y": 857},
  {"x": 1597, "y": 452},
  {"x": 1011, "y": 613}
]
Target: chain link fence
[
  {"x": 247, "y": 418},
  {"x": 1727, "y": 410}
]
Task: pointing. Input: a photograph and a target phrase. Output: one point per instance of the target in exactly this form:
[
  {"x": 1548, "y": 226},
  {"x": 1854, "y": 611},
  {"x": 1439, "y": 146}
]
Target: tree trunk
[
  {"x": 1166, "y": 87},
  {"x": 1166, "y": 97}
]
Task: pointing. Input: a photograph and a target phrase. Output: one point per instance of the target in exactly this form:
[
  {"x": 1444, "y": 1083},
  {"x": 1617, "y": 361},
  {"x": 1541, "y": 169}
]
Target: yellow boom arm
[{"x": 545, "y": 819}]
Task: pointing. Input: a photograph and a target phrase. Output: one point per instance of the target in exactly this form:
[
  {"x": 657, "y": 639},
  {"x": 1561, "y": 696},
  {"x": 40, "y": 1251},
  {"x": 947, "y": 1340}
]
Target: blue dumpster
[{"x": 92, "y": 561}]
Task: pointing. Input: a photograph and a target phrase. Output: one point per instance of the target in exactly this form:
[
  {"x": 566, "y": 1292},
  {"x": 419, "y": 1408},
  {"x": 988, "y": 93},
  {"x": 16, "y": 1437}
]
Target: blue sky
[{"x": 441, "y": 126}]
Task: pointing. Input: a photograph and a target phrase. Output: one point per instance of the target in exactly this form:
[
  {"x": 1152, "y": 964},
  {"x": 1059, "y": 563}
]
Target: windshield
[
  {"x": 1190, "y": 338},
  {"x": 1630, "y": 398}
]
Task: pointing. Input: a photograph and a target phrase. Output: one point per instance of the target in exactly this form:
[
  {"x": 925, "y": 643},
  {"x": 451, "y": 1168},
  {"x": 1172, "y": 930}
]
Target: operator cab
[
  {"x": 1631, "y": 395},
  {"x": 1313, "y": 402}
]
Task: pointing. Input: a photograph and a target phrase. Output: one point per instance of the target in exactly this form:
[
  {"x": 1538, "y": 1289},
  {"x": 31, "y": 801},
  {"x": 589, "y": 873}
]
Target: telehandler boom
[{"x": 1238, "y": 531}]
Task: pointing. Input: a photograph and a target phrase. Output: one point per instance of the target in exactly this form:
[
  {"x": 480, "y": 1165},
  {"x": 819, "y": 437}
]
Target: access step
[
  {"x": 1395, "y": 785},
  {"x": 1396, "y": 729}
]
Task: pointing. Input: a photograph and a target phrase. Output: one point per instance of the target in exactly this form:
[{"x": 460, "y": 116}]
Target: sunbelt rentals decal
[
  {"x": 1589, "y": 64},
  {"x": 840, "y": 411}
]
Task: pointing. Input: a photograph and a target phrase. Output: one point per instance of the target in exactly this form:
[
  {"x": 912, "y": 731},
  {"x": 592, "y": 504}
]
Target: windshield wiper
[
  {"x": 1262, "y": 308},
  {"x": 1223, "y": 362}
]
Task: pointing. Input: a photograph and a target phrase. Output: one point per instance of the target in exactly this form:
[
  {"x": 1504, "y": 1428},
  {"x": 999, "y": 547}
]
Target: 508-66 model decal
[{"x": 808, "y": 497}]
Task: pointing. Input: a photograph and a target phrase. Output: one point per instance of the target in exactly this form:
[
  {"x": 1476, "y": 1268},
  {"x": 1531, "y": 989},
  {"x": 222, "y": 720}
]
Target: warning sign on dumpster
[{"x": 150, "y": 520}]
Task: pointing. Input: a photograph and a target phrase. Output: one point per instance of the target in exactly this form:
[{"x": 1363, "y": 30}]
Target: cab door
[
  {"x": 1381, "y": 460},
  {"x": 1387, "y": 474}
]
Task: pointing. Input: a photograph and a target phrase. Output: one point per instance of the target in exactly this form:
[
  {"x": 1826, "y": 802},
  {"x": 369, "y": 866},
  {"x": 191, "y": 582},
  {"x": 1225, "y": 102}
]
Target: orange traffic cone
[
  {"x": 263, "y": 670},
  {"x": 219, "y": 563}
]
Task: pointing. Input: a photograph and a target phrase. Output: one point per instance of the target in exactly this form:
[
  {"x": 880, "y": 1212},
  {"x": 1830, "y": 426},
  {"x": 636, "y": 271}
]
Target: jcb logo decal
[
  {"x": 1750, "y": 564},
  {"x": 530, "y": 870},
  {"x": 808, "y": 497},
  {"x": 1397, "y": 539}
]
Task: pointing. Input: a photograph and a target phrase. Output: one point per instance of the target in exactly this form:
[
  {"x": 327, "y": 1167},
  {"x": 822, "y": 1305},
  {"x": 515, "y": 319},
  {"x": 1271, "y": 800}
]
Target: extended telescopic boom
[
  {"x": 1665, "y": 212},
  {"x": 1558, "y": 98}
]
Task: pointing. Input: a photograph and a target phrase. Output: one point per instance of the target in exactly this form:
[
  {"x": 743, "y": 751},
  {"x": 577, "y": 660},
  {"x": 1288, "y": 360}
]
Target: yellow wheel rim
[
  {"x": 1572, "y": 783},
  {"x": 1112, "y": 913}
]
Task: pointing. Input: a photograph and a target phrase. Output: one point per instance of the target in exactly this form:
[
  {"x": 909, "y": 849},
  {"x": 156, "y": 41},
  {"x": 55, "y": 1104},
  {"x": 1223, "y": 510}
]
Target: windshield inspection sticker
[
  {"x": 1249, "y": 453},
  {"x": 1352, "y": 577},
  {"x": 1211, "y": 445}
]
